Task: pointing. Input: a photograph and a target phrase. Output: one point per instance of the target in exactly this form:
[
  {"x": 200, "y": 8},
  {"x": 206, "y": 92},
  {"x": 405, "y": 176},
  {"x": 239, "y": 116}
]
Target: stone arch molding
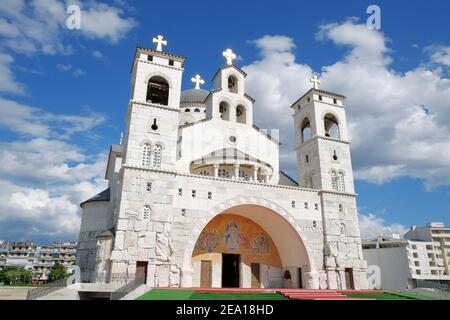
[
  {"x": 237, "y": 201},
  {"x": 159, "y": 74}
]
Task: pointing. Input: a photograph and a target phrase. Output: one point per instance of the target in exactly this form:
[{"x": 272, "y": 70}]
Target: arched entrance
[{"x": 261, "y": 241}]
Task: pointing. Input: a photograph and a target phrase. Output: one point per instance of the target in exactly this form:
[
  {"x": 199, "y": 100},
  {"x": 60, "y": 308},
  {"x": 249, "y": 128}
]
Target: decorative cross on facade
[
  {"x": 229, "y": 55},
  {"x": 198, "y": 81},
  {"x": 160, "y": 42},
  {"x": 315, "y": 82}
]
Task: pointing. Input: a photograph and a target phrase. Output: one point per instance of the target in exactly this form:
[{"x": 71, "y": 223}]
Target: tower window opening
[
  {"x": 197, "y": 110},
  {"x": 149, "y": 58},
  {"x": 149, "y": 187},
  {"x": 146, "y": 213},
  {"x": 154, "y": 126},
  {"x": 241, "y": 114},
  {"x": 209, "y": 195},
  {"x": 187, "y": 110},
  {"x": 224, "y": 111},
  {"x": 158, "y": 91},
  {"x": 306, "y": 130},
  {"x": 335, "y": 101},
  {"x": 334, "y": 180},
  {"x": 320, "y": 98},
  {"x": 293, "y": 204},
  {"x": 171, "y": 62},
  {"x": 331, "y": 127},
  {"x": 232, "y": 84},
  {"x": 307, "y": 158},
  {"x": 335, "y": 157}
]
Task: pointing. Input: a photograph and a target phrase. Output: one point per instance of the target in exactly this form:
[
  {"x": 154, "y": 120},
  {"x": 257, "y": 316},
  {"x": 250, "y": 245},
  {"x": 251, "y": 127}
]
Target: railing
[
  {"x": 124, "y": 290},
  {"x": 46, "y": 289}
]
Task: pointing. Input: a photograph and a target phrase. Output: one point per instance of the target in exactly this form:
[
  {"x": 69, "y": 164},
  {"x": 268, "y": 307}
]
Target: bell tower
[
  {"x": 322, "y": 143},
  {"x": 153, "y": 112}
]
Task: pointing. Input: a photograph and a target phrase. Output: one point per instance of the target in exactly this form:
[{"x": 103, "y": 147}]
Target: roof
[
  {"x": 229, "y": 153},
  {"x": 288, "y": 177},
  {"x": 194, "y": 96},
  {"x": 268, "y": 136},
  {"x": 102, "y": 196},
  {"x": 322, "y": 92},
  {"x": 231, "y": 66}
]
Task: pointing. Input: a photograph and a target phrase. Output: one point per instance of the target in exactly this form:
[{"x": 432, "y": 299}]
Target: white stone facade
[{"x": 172, "y": 177}]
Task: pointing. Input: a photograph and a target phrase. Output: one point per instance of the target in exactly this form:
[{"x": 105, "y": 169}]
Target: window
[
  {"x": 154, "y": 125},
  {"x": 146, "y": 155},
  {"x": 309, "y": 99},
  {"x": 335, "y": 157},
  {"x": 204, "y": 173},
  {"x": 334, "y": 180},
  {"x": 306, "y": 130},
  {"x": 306, "y": 205},
  {"x": 293, "y": 204},
  {"x": 243, "y": 175},
  {"x": 341, "y": 208},
  {"x": 342, "y": 229},
  {"x": 314, "y": 223},
  {"x": 149, "y": 58},
  {"x": 241, "y": 114},
  {"x": 232, "y": 84},
  {"x": 335, "y": 101},
  {"x": 331, "y": 127},
  {"x": 224, "y": 111},
  {"x": 209, "y": 195},
  {"x": 341, "y": 182},
  {"x": 194, "y": 193},
  {"x": 183, "y": 212},
  {"x": 316, "y": 206},
  {"x": 156, "y": 156},
  {"x": 196, "y": 110},
  {"x": 171, "y": 62},
  {"x": 146, "y": 213},
  {"x": 320, "y": 98},
  {"x": 307, "y": 158},
  {"x": 158, "y": 91},
  {"x": 224, "y": 173},
  {"x": 187, "y": 110},
  {"x": 180, "y": 192},
  {"x": 149, "y": 186}
]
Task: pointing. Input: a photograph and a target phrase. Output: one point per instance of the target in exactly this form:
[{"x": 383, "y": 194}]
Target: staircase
[{"x": 305, "y": 294}]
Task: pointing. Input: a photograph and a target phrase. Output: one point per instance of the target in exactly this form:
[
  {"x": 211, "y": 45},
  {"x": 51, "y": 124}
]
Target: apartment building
[
  {"x": 37, "y": 258},
  {"x": 420, "y": 259}
]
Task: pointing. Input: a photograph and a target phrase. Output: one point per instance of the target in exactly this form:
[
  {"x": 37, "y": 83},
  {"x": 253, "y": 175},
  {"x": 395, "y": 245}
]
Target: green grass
[
  {"x": 168, "y": 294},
  {"x": 391, "y": 296}
]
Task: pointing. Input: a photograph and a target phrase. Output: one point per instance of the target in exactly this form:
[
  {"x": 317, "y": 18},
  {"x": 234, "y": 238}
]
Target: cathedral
[{"x": 196, "y": 196}]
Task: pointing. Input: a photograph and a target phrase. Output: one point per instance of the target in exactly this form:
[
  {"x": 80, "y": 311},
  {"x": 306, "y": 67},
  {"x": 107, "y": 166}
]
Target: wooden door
[
  {"x": 349, "y": 279},
  {"x": 141, "y": 270},
  {"x": 256, "y": 277},
  {"x": 206, "y": 274}
]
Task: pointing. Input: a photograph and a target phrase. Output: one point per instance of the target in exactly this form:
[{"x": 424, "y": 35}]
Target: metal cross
[
  {"x": 198, "y": 81},
  {"x": 229, "y": 55},
  {"x": 315, "y": 82},
  {"x": 160, "y": 42}
]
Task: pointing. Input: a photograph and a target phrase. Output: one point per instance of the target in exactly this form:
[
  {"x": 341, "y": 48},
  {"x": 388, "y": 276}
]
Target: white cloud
[
  {"x": 8, "y": 82},
  {"x": 371, "y": 226},
  {"x": 39, "y": 26},
  {"x": 398, "y": 122},
  {"x": 440, "y": 54},
  {"x": 64, "y": 67},
  {"x": 79, "y": 72},
  {"x": 35, "y": 122},
  {"x": 97, "y": 54}
]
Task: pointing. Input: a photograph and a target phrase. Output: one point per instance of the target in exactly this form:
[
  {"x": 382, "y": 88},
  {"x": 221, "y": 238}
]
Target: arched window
[
  {"x": 334, "y": 180},
  {"x": 156, "y": 156},
  {"x": 187, "y": 110},
  {"x": 146, "y": 155},
  {"x": 331, "y": 127},
  {"x": 197, "y": 110},
  {"x": 224, "y": 111},
  {"x": 342, "y": 229},
  {"x": 146, "y": 211},
  {"x": 233, "y": 84},
  {"x": 241, "y": 115},
  {"x": 341, "y": 182},
  {"x": 158, "y": 91},
  {"x": 243, "y": 175},
  {"x": 306, "y": 130},
  {"x": 222, "y": 173}
]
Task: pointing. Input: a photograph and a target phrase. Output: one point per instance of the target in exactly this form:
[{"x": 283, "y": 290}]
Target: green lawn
[
  {"x": 168, "y": 294},
  {"x": 392, "y": 296}
]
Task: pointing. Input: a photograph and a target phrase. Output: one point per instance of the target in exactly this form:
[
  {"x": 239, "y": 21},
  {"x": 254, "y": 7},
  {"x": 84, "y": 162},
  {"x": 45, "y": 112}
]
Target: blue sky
[{"x": 64, "y": 94}]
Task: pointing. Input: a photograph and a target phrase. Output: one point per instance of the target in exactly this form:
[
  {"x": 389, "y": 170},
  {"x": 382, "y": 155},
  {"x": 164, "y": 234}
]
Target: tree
[
  {"x": 15, "y": 276},
  {"x": 58, "y": 272}
]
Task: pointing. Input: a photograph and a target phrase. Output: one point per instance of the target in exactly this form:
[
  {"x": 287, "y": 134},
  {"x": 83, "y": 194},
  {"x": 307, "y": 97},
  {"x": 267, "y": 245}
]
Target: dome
[{"x": 194, "y": 96}]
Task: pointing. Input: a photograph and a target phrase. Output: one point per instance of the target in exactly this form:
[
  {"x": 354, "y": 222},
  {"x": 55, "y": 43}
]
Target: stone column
[
  {"x": 255, "y": 173},
  {"x": 216, "y": 170},
  {"x": 236, "y": 171}
]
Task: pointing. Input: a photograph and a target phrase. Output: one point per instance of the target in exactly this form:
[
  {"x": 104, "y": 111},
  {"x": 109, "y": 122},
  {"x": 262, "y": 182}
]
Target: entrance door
[
  {"x": 230, "y": 270},
  {"x": 349, "y": 279},
  {"x": 256, "y": 282},
  {"x": 206, "y": 274},
  {"x": 300, "y": 278},
  {"x": 141, "y": 270}
]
